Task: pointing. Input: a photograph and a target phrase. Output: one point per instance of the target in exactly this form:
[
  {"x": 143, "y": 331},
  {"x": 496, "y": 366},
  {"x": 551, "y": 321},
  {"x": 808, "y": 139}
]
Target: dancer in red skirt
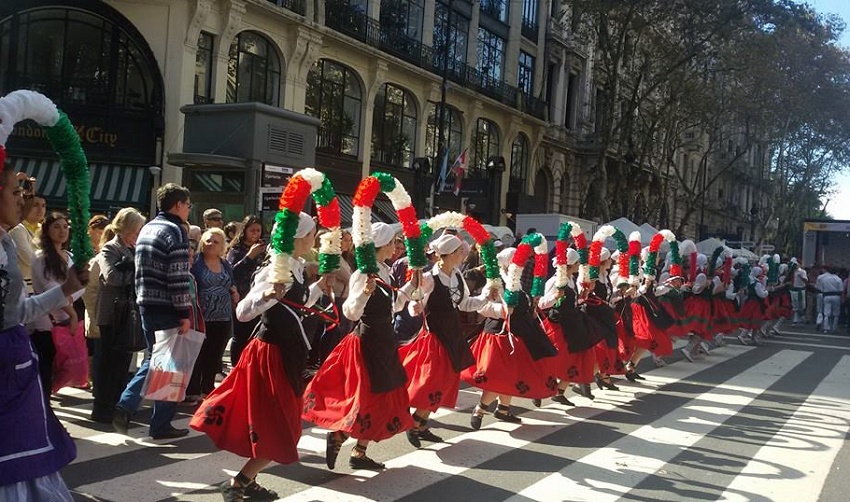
[
  {"x": 359, "y": 391},
  {"x": 567, "y": 326},
  {"x": 434, "y": 359},
  {"x": 511, "y": 358},
  {"x": 256, "y": 411},
  {"x": 602, "y": 320}
]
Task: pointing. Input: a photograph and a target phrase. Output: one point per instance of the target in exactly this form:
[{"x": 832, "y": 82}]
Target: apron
[
  {"x": 377, "y": 340},
  {"x": 443, "y": 321},
  {"x": 526, "y": 326},
  {"x": 281, "y": 325}
]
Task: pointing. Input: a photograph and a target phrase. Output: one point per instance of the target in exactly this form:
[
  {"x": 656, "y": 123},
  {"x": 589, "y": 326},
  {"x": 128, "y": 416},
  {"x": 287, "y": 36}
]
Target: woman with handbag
[
  {"x": 114, "y": 313},
  {"x": 49, "y": 269}
]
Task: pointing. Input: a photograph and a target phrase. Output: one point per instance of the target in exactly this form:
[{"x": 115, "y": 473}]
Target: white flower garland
[
  {"x": 331, "y": 242},
  {"x": 314, "y": 178},
  {"x": 361, "y": 225},
  {"x": 23, "y": 104},
  {"x": 444, "y": 220}
]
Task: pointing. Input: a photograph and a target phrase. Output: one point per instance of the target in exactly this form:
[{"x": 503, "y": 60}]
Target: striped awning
[
  {"x": 383, "y": 210},
  {"x": 346, "y": 208},
  {"x": 112, "y": 185}
]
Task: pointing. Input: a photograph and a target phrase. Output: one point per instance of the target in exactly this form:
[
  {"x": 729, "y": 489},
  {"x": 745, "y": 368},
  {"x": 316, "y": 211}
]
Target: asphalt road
[{"x": 744, "y": 424}]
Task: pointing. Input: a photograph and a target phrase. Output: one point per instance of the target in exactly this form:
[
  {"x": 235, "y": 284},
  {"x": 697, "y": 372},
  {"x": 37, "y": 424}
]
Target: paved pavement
[{"x": 744, "y": 424}]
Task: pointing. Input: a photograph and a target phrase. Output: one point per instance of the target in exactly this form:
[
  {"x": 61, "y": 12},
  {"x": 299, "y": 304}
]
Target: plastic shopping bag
[
  {"x": 171, "y": 364},
  {"x": 71, "y": 364}
]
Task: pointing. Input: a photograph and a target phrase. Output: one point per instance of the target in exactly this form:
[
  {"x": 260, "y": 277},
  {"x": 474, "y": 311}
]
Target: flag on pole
[
  {"x": 444, "y": 167},
  {"x": 459, "y": 170}
]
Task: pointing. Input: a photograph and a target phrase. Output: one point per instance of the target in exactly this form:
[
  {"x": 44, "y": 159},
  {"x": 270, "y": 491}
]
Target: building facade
[{"x": 371, "y": 71}]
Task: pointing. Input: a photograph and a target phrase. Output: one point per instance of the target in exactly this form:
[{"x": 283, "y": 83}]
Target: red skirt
[
  {"x": 339, "y": 397},
  {"x": 508, "y": 369},
  {"x": 431, "y": 379},
  {"x": 254, "y": 413},
  {"x": 647, "y": 335},
  {"x": 608, "y": 359},
  {"x": 698, "y": 309},
  {"x": 576, "y": 367},
  {"x": 752, "y": 314},
  {"x": 785, "y": 309},
  {"x": 724, "y": 319},
  {"x": 773, "y": 309},
  {"x": 625, "y": 341}
]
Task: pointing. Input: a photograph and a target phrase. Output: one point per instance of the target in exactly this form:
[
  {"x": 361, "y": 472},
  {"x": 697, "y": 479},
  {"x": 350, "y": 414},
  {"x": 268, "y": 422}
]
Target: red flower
[
  {"x": 295, "y": 194},
  {"x": 595, "y": 249},
  {"x": 655, "y": 243},
  {"x": 581, "y": 241},
  {"x": 409, "y": 223},
  {"x": 540, "y": 265},
  {"x": 475, "y": 229},
  {"x": 623, "y": 262},
  {"x": 634, "y": 248},
  {"x": 561, "y": 252},
  {"x": 523, "y": 253},
  {"x": 329, "y": 216},
  {"x": 367, "y": 191}
]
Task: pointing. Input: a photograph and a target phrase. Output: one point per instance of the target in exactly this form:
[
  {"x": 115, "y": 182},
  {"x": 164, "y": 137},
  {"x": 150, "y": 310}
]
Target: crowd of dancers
[{"x": 555, "y": 316}]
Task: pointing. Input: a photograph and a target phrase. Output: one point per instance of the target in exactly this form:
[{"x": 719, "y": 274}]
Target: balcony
[
  {"x": 530, "y": 29},
  {"x": 495, "y": 9},
  {"x": 361, "y": 27},
  {"x": 296, "y": 6}
]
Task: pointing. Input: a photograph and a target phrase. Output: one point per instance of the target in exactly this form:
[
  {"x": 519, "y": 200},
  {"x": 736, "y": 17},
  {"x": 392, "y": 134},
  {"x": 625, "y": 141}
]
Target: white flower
[
  {"x": 315, "y": 178},
  {"x": 399, "y": 196},
  {"x": 281, "y": 271},
  {"x": 361, "y": 225},
  {"x": 514, "y": 278},
  {"x": 331, "y": 242},
  {"x": 543, "y": 247},
  {"x": 23, "y": 104},
  {"x": 668, "y": 235},
  {"x": 575, "y": 229},
  {"x": 634, "y": 236},
  {"x": 561, "y": 276},
  {"x": 448, "y": 219},
  {"x": 604, "y": 232}
]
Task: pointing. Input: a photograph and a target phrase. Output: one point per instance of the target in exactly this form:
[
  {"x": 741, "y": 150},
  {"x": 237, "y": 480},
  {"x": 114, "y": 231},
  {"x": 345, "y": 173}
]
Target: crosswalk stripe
[
  {"x": 809, "y": 345},
  {"x": 610, "y": 472},
  {"x": 441, "y": 461},
  {"x": 818, "y": 432}
]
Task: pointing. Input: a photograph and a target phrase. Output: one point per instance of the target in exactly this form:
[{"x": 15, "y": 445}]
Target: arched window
[
  {"x": 519, "y": 163},
  {"x": 543, "y": 188},
  {"x": 453, "y": 134},
  {"x": 486, "y": 146},
  {"x": 334, "y": 96},
  {"x": 394, "y": 126},
  {"x": 253, "y": 70},
  {"x": 74, "y": 57}
]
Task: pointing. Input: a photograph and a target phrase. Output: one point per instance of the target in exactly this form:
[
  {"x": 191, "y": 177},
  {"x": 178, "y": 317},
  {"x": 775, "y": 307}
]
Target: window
[
  {"x": 394, "y": 127},
  {"x": 486, "y": 146},
  {"x": 491, "y": 54},
  {"x": 529, "y": 19},
  {"x": 204, "y": 69},
  {"x": 456, "y": 33},
  {"x": 497, "y": 9},
  {"x": 77, "y": 57},
  {"x": 525, "y": 73},
  {"x": 572, "y": 93},
  {"x": 519, "y": 164},
  {"x": 334, "y": 96},
  {"x": 453, "y": 134},
  {"x": 253, "y": 70},
  {"x": 403, "y": 17}
]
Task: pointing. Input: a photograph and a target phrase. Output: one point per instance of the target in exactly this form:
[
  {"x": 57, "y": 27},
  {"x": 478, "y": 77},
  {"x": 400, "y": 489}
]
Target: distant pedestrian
[
  {"x": 162, "y": 293},
  {"x": 213, "y": 218}
]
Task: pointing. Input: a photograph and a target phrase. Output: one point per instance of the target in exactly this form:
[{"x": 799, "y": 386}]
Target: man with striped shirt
[{"x": 162, "y": 294}]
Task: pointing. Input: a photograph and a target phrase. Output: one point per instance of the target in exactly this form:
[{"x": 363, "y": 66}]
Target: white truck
[{"x": 548, "y": 224}]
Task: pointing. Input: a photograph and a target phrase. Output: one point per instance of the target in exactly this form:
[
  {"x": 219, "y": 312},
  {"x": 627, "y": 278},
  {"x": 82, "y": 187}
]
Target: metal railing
[
  {"x": 359, "y": 26},
  {"x": 296, "y": 6},
  {"x": 529, "y": 29}
]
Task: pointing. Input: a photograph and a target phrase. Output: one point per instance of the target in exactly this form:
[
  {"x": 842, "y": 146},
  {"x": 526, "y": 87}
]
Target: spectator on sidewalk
[
  {"x": 213, "y": 218},
  {"x": 246, "y": 254},
  {"x": 162, "y": 293},
  {"x": 24, "y": 233}
]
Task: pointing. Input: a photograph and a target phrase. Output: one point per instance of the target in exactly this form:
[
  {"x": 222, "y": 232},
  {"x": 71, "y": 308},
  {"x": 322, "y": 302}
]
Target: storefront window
[{"x": 204, "y": 69}]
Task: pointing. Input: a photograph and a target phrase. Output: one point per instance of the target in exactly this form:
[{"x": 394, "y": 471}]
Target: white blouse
[{"x": 40, "y": 284}]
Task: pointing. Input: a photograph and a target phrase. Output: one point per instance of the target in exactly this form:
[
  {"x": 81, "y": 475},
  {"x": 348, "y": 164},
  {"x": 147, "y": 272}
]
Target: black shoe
[
  {"x": 562, "y": 399},
  {"x": 101, "y": 417},
  {"x": 506, "y": 416},
  {"x": 632, "y": 376},
  {"x": 254, "y": 491},
  {"x": 366, "y": 463},
  {"x": 120, "y": 421},
  {"x": 427, "y": 435},
  {"x": 475, "y": 420},
  {"x": 413, "y": 438},
  {"x": 232, "y": 493},
  {"x": 537, "y": 403},
  {"x": 332, "y": 447},
  {"x": 171, "y": 433},
  {"x": 582, "y": 390},
  {"x": 605, "y": 383}
]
